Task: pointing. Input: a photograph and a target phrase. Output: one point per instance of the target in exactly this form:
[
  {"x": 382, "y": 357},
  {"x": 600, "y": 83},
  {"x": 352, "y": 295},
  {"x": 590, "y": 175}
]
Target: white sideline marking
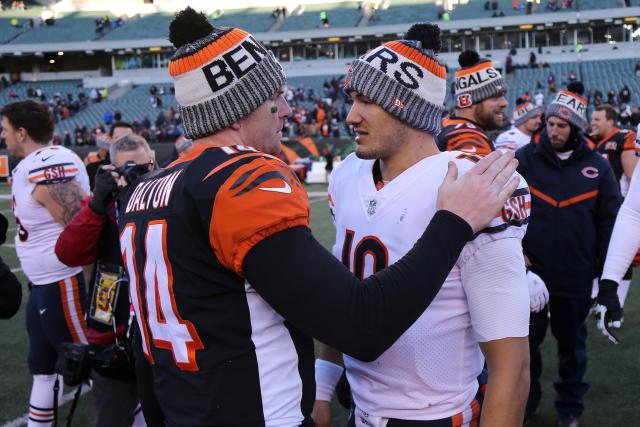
[
  {"x": 16, "y": 270},
  {"x": 22, "y": 421}
]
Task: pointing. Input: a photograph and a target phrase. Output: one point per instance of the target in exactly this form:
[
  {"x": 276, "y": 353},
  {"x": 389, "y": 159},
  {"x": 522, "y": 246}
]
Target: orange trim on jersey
[
  {"x": 244, "y": 216},
  {"x": 452, "y": 122},
  {"x": 608, "y": 136},
  {"x": 467, "y": 71},
  {"x": 475, "y": 413},
  {"x": 196, "y": 342},
  {"x": 142, "y": 315},
  {"x": 207, "y": 54},
  {"x": 418, "y": 57},
  {"x": 71, "y": 310},
  {"x": 563, "y": 204},
  {"x": 230, "y": 162},
  {"x": 457, "y": 420},
  {"x": 629, "y": 142},
  {"x": 41, "y": 175},
  {"x": 40, "y": 414},
  {"x": 576, "y": 199},
  {"x": 466, "y": 132}
]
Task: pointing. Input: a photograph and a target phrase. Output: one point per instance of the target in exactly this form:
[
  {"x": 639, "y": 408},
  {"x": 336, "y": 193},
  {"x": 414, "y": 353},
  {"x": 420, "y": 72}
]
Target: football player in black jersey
[{"x": 228, "y": 283}]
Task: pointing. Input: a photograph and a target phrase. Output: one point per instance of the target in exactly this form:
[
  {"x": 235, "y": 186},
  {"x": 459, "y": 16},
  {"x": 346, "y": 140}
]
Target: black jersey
[
  {"x": 460, "y": 134},
  {"x": 220, "y": 354},
  {"x": 613, "y": 145}
]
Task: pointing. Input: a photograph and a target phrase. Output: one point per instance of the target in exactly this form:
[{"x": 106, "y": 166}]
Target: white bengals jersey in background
[
  {"x": 513, "y": 139},
  {"x": 431, "y": 371},
  {"x": 37, "y": 230}
]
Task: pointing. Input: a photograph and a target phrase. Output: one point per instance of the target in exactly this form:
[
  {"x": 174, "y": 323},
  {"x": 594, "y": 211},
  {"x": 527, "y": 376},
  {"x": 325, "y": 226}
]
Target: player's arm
[
  {"x": 329, "y": 370},
  {"x": 77, "y": 245},
  {"x": 317, "y": 294},
  {"x": 494, "y": 281},
  {"x": 508, "y": 387},
  {"x": 625, "y": 239},
  {"x": 607, "y": 206},
  {"x": 62, "y": 199},
  {"x": 628, "y": 156}
]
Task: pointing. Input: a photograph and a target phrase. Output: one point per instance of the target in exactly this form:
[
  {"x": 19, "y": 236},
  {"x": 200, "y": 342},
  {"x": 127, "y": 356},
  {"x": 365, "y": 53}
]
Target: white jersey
[
  {"x": 431, "y": 371},
  {"x": 512, "y": 139},
  {"x": 38, "y": 231}
]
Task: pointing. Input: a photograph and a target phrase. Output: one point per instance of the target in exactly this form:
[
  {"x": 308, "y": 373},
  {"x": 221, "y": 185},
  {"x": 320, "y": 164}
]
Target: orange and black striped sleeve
[{"x": 257, "y": 200}]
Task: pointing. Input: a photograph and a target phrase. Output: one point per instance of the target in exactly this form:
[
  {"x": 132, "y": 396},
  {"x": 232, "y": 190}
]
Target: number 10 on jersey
[{"x": 168, "y": 330}]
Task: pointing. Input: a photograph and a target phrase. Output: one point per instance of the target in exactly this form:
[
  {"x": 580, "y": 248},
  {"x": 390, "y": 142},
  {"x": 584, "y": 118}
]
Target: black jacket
[{"x": 574, "y": 207}]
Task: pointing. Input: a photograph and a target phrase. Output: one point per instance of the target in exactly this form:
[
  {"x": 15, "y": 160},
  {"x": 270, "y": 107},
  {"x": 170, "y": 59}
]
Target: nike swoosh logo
[
  {"x": 470, "y": 149},
  {"x": 286, "y": 189},
  {"x": 44, "y": 159},
  {"x": 42, "y": 311}
]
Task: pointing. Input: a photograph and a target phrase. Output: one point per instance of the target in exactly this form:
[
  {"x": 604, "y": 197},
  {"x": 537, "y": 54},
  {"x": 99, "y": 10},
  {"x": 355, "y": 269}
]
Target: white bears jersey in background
[
  {"x": 512, "y": 139},
  {"x": 431, "y": 371},
  {"x": 37, "y": 230}
]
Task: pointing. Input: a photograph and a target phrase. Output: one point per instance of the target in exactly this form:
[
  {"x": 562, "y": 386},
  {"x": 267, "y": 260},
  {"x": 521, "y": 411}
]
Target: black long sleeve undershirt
[{"x": 311, "y": 289}]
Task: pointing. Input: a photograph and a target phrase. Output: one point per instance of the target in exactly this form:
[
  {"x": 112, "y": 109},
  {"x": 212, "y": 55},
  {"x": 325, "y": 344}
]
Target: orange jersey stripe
[
  {"x": 543, "y": 196},
  {"x": 413, "y": 54},
  {"x": 203, "y": 56},
  {"x": 576, "y": 199},
  {"x": 67, "y": 311}
]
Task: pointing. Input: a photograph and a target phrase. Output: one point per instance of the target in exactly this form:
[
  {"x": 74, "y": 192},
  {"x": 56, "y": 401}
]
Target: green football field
[{"x": 614, "y": 371}]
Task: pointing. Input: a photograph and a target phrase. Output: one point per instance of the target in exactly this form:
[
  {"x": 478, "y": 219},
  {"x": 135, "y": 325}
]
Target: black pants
[{"x": 567, "y": 318}]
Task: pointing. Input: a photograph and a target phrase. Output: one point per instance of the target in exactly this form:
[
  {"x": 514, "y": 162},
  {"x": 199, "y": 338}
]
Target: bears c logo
[
  {"x": 590, "y": 172},
  {"x": 463, "y": 100}
]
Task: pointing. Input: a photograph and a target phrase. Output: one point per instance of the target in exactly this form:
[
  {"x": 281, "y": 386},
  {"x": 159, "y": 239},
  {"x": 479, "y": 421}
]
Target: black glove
[
  {"x": 608, "y": 309},
  {"x": 104, "y": 192}
]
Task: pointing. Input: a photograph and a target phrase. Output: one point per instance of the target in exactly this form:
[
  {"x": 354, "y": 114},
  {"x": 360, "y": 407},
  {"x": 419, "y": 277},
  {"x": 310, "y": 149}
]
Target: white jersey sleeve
[
  {"x": 54, "y": 165},
  {"x": 495, "y": 282},
  {"x": 625, "y": 238},
  {"x": 493, "y": 271}
]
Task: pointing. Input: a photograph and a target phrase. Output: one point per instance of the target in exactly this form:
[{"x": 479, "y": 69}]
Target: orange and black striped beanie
[
  {"x": 477, "y": 80},
  {"x": 405, "y": 78},
  {"x": 221, "y": 77}
]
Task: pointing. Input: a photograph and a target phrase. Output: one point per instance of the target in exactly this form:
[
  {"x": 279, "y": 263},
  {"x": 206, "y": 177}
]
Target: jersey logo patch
[
  {"x": 44, "y": 159},
  {"x": 285, "y": 190},
  {"x": 590, "y": 172}
]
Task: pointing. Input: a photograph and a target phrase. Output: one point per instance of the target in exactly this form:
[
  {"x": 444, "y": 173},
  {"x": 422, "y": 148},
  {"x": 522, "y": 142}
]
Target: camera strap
[
  {"x": 56, "y": 389},
  {"x": 76, "y": 397}
]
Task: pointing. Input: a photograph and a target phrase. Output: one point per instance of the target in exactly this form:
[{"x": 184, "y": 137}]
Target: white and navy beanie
[
  {"x": 477, "y": 80},
  {"x": 220, "y": 74},
  {"x": 569, "y": 106},
  {"x": 524, "y": 112},
  {"x": 405, "y": 78}
]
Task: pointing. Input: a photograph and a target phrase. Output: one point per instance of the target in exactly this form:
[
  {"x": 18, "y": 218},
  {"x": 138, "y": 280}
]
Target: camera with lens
[
  {"x": 131, "y": 171},
  {"x": 76, "y": 361}
]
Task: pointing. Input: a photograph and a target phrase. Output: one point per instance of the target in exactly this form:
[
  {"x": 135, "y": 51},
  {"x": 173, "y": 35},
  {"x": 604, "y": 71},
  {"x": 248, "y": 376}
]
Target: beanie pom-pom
[
  {"x": 576, "y": 87},
  {"x": 426, "y": 33},
  {"x": 188, "y": 26},
  {"x": 468, "y": 58}
]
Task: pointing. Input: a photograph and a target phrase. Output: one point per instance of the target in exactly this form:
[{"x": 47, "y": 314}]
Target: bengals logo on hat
[{"x": 464, "y": 100}]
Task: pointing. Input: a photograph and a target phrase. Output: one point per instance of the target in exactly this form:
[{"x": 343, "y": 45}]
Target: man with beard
[
  {"x": 575, "y": 199},
  {"x": 479, "y": 106},
  {"x": 526, "y": 120},
  {"x": 619, "y": 147}
]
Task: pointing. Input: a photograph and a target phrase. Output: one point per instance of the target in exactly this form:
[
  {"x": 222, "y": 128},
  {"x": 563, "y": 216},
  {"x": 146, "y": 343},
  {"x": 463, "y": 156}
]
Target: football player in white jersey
[
  {"x": 47, "y": 187},
  {"x": 381, "y": 197},
  {"x": 526, "y": 120}
]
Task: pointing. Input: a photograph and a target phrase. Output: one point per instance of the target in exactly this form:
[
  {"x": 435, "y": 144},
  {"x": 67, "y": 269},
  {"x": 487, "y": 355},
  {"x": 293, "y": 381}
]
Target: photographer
[
  {"x": 92, "y": 238},
  {"x": 10, "y": 288}
]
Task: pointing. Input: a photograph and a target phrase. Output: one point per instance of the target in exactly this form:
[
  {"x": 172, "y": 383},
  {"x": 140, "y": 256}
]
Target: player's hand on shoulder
[
  {"x": 480, "y": 194},
  {"x": 321, "y": 413}
]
